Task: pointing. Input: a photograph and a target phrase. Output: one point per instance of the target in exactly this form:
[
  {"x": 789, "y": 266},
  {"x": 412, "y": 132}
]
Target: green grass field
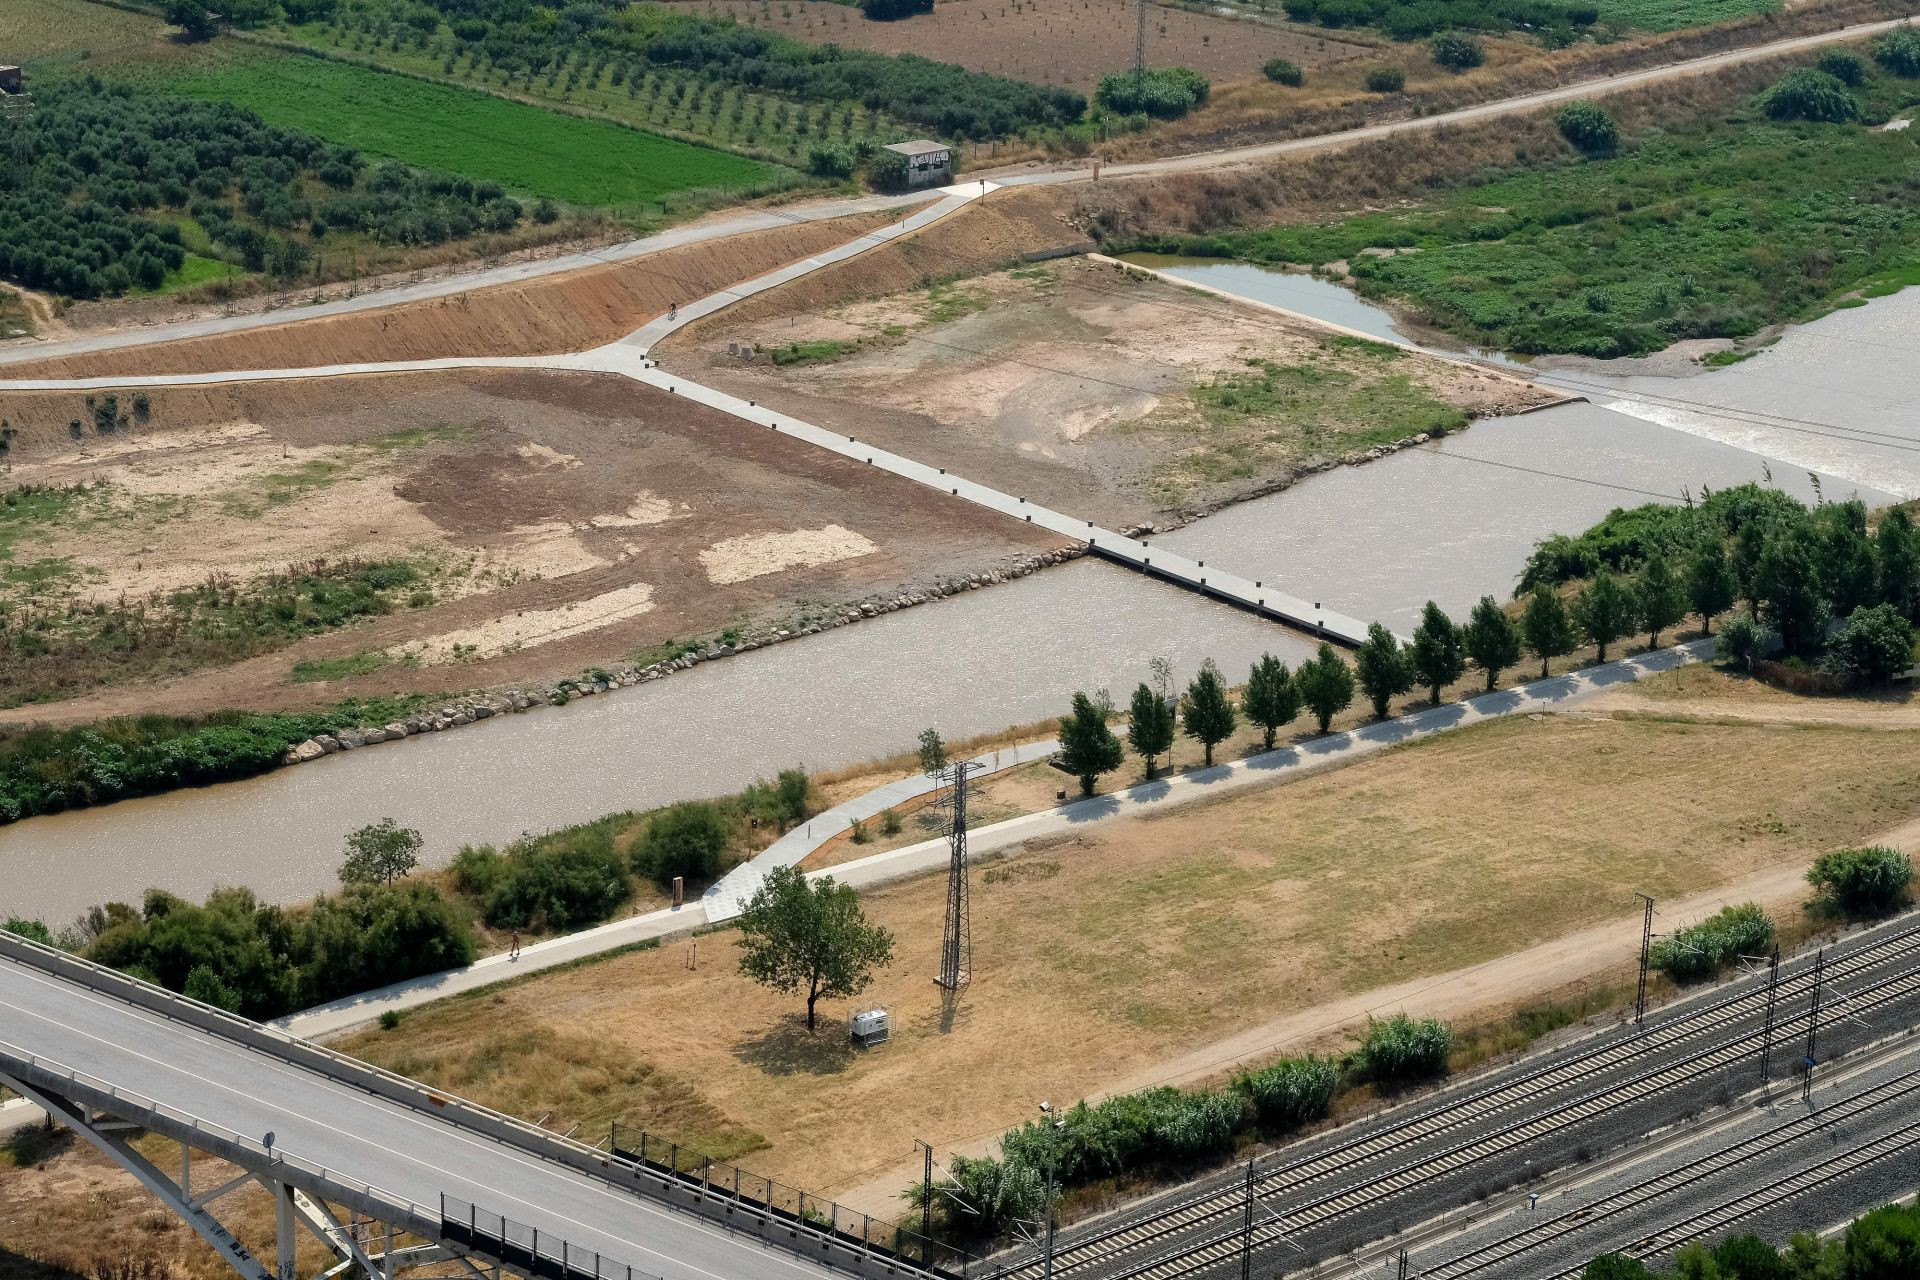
[
  {"x": 1672, "y": 15},
  {"x": 527, "y": 150}
]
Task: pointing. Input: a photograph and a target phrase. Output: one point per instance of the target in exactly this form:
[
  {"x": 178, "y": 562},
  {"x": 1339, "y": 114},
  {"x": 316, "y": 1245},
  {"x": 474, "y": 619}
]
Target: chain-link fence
[
  {"x": 717, "y": 1180},
  {"x": 523, "y": 1248}
]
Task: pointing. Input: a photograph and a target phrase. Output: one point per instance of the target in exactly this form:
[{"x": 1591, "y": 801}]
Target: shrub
[
  {"x": 1873, "y": 646},
  {"x": 1403, "y": 1051},
  {"x": 1164, "y": 92},
  {"x": 887, "y": 171},
  {"x": 1457, "y": 52},
  {"x": 1281, "y": 71},
  {"x": 684, "y": 839},
  {"x": 1843, "y": 65},
  {"x": 31, "y": 930},
  {"x": 1385, "y": 80},
  {"x": 554, "y": 886},
  {"x": 390, "y": 1020},
  {"x": 1744, "y": 638},
  {"x": 1863, "y": 882},
  {"x": 1700, "y": 951},
  {"x": 1290, "y": 1093},
  {"x": 830, "y": 160},
  {"x": 1899, "y": 51},
  {"x": 1806, "y": 94},
  {"x": 1588, "y": 127},
  {"x": 998, "y": 1193}
]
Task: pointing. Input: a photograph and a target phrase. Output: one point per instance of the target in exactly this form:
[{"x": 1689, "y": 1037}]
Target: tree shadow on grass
[
  {"x": 789, "y": 1049},
  {"x": 18, "y": 1266}
]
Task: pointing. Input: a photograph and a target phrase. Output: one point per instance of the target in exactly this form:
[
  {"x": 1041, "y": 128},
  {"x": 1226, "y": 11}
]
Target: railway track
[
  {"x": 1716, "y": 1164},
  {"x": 1710, "y": 1222},
  {"x": 1229, "y": 1243},
  {"x": 1227, "y": 1203}
]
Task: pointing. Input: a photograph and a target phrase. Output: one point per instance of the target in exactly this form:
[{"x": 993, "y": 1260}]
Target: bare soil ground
[
  {"x": 1088, "y": 388},
  {"x": 1059, "y": 42},
  {"x": 570, "y": 312},
  {"x": 571, "y": 519}
]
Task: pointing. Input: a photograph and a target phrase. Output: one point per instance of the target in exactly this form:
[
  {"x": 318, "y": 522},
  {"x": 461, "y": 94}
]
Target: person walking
[{"x": 513, "y": 951}]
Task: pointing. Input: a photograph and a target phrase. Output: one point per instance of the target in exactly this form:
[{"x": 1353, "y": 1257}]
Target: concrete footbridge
[{"x": 387, "y": 1173}]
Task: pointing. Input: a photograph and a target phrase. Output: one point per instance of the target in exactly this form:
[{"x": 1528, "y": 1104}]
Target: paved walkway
[{"x": 1264, "y": 769}]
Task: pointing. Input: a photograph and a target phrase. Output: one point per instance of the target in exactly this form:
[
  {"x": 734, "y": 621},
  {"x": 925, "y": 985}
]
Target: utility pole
[
  {"x": 1646, "y": 954},
  {"x": 926, "y": 1207},
  {"x": 1403, "y": 1264},
  {"x": 1773, "y": 995},
  {"x": 1246, "y": 1230},
  {"x": 1813, "y": 1027}
]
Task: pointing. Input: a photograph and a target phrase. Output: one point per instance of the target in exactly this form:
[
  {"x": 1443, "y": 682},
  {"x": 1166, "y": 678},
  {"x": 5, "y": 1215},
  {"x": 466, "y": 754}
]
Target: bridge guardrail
[
  {"x": 522, "y": 1248},
  {"x": 636, "y": 1179},
  {"x": 56, "y": 1077}
]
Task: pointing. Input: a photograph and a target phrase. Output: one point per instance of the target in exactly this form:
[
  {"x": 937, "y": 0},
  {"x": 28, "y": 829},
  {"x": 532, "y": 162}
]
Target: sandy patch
[
  {"x": 542, "y": 456},
  {"x": 546, "y": 550},
  {"x": 757, "y": 554},
  {"x": 646, "y": 508},
  {"x": 532, "y": 627}
]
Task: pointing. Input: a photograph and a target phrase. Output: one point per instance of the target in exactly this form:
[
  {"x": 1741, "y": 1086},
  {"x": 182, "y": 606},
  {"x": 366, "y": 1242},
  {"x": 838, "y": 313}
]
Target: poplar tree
[
  {"x": 1549, "y": 628},
  {"x": 1439, "y": 651},
  {"x": 1662, "y": 598},
  {"x": 1606, "y": 611},
  {"x": 1492, "y": 639},
  {"x": 1209, "y": 716},
  {"x": 1711, "y": 586},
  {"x": 1087, "y": 746},
  {"x": 1326, "y": 685},
  {"x": 1150, "y": 730},
  {"x": 1383, "y": 667},
  {"x": 1271, "y": 699}
]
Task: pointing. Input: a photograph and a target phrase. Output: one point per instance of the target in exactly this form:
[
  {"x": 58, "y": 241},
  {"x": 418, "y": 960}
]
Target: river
[{"x": 1451, "y": 521}]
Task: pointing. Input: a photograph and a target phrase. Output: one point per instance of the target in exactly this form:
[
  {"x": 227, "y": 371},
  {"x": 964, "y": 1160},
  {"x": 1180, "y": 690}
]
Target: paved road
[
  {"x": 408, "y": 1154},
  {"x": 758, "y": 220}
]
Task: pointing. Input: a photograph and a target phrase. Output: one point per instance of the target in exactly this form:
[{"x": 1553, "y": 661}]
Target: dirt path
[{"x": 1462, "y": 995}]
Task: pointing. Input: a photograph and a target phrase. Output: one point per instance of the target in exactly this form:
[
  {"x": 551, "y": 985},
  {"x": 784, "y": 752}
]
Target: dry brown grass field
[{"x": 1102, "y": 955}]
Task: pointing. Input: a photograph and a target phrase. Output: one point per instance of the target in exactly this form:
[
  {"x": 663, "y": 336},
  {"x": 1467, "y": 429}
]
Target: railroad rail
[{"x": 1227, "y": 1203}]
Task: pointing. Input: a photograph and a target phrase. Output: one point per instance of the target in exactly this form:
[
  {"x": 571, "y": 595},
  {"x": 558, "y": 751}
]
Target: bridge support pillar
[{"x": 284, "y": 1231}]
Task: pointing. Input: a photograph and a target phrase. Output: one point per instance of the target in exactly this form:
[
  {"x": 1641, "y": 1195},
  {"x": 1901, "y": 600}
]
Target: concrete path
[
  {"x": 759, "y": 220},
  {"x": 1270, "y": 767},
  {"x": 728, "y": 896}
]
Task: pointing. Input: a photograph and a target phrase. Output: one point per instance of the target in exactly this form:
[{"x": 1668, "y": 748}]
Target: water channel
[{"x": 1451, "y": 521}]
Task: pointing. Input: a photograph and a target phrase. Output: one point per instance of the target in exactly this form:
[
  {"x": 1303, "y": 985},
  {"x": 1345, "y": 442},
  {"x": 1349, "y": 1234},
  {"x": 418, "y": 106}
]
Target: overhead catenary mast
[{"x": 956, "y": 946}]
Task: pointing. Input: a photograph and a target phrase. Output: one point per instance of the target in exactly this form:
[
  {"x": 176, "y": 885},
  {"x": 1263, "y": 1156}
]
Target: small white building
[{"x": 929, "y": 164}]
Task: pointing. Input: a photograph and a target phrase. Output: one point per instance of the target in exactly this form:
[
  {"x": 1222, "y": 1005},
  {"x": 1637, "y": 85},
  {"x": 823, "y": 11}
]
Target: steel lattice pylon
[{"x": 956, "y": 947}]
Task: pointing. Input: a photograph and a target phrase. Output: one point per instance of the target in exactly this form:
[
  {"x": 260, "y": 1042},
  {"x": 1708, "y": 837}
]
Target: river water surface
[{"x": 1450, "y": 521}]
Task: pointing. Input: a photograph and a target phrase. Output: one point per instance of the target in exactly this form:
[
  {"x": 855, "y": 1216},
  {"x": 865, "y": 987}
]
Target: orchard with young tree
[{"x": 810, "y": 937}]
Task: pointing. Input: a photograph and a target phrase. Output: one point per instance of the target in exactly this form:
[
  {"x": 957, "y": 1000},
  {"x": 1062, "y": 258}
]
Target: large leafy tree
[
  {"x": 1208, "y": 714},
  {"x": 1662, "y": 598},
  {"x": 1606, "y": 611},
  {"x": 380, "y": 853},
  {"x": 1897, "y": 554},
  {"x": 1384, "y": 668},
  {"x": 1874, "y": 645},
  {"x": 1549, "y": 627},
  {"x": 1439, "y": 651},
  {"x": 1492, "y": 639},
  {"x": 1271, "y": 699},
  {"x": 1786, "y": 589},
  {"x": 1150, "y": 725},
  {"x": 810, "y": 937},
  {"x": 1326, "y": 685},
  {"x": 1711, "y": 586},
  {"x": 1088, "y": 748}
]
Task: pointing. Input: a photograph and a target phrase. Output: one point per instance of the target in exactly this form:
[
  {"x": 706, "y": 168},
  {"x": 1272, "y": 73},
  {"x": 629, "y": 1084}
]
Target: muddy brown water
[{"x": 1450, "y": 521}]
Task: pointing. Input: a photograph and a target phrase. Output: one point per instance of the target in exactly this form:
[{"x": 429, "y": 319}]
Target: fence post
[{"x": 643, "y": 1146}]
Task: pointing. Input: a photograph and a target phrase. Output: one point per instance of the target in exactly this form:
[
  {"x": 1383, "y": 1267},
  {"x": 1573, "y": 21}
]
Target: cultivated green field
[
  {"x": 1672, "y": 15},
  {"x": 42, "y": 33},
  {"x": 586, "y": 162}
]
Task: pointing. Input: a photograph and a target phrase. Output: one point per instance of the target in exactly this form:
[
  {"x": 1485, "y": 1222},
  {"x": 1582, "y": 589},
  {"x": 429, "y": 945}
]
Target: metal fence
[
  {"x": 522, "y": 1248},
  {"x": 717, "y": 1180}
]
